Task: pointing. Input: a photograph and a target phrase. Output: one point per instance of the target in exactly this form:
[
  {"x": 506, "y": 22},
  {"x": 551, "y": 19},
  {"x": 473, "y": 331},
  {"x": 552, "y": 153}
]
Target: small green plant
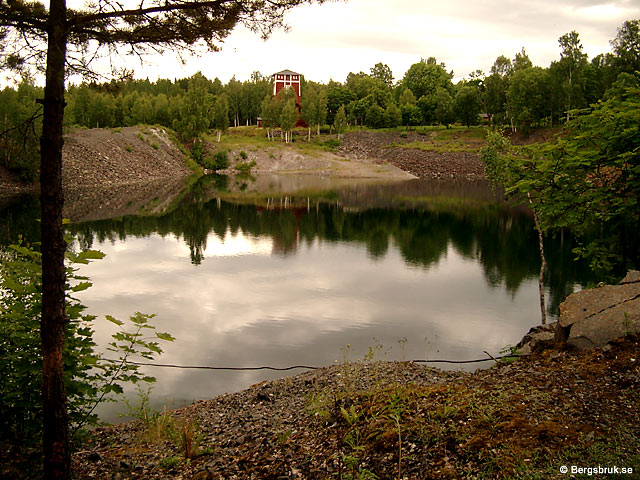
[
  {"x": 511, "y": 354},
  {"x": 186, "y": 435},
  {"x": 404, "y": 135},
  {"x": 243, "y": 154},
  {"x": 140, "y": 136},
  {"x": 128, "y": 148},
  {"x": 155, "y": 146},
  {"x": 169, "y": 463},
  {"x": 117, "y": 130}
]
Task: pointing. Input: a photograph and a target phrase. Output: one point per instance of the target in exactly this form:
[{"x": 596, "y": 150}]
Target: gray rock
[
  {"x": 535, "y": 337},
  {"x": 596, "y": 316},
  {"x": 633, "y": 276}
]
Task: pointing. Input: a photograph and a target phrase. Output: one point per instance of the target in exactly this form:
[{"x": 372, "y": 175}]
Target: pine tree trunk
[{"x": 54, "y": 406}]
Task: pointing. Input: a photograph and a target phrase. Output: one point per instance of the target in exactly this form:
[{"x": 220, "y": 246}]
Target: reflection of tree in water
[
  {"x": 503, "y": 243},
  {"x": 18, "y": 219}
]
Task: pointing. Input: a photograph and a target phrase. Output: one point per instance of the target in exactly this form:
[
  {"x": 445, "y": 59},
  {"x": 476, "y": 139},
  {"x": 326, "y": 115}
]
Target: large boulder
[{"x": 592, "y": 318}]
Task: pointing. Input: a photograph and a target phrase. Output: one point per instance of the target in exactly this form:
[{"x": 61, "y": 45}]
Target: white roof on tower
[{"x": 286, "y": 72}]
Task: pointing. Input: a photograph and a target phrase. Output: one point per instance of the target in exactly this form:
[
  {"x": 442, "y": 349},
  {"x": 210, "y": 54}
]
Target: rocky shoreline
[{"x": 445, "y": 425}]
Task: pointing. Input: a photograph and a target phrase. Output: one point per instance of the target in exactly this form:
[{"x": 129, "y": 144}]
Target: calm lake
[{"x": 415, "y": 270}]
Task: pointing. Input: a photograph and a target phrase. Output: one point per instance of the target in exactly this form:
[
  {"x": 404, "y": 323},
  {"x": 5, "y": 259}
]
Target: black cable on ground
[{"x": 307, "y": 367}]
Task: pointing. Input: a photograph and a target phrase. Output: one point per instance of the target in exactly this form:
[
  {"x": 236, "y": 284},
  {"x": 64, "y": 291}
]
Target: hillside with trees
[{"x": 514, "y": 93}]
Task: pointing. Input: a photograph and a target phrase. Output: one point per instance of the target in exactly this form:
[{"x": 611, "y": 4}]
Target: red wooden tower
[{"x": 287, "y": 78}]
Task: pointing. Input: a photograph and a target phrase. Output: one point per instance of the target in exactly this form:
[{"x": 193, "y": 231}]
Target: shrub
[
  {"x": 331, "y": 144},
  {"x": 197, "y": 151},
  {"x": 89, "y": 378},
  {"x": 245, "y": 167},
  {"x": 220, "y": 160}
]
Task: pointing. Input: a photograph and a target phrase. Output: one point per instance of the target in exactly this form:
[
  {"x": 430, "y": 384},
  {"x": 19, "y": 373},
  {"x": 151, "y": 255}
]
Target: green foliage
[
  {"x": 186, "y": 435},
  {"x": 467, "y": 105},
  {"x": 374, "y": 117},
  {"x": 444, "y": 107},
  {"x": 411, "y": 115},
  {"x": 314, "y": 106},
  {"x": 245, "y": 167},
  {"x": 20, "y": 130},
  {"x": 198, "y": 151},
  {"x": 331, "y": 144},
  {"x": 587, "y": 180},
  {"x": 426, "y": 76},
  {"x": 90, "y": 378},
  {"x": 221, "y": 113},
  {"x": 392, "y": 116},
  {"x": 528, "y": 96},
  {"x": 220, "y": 161},
  {"x": 340, "y": 121},
  {"x": 626, "y": 47}
]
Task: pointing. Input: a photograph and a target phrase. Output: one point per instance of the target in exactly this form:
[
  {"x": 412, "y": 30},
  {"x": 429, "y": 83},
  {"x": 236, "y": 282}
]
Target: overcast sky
[{"x": 329, "y": 41}]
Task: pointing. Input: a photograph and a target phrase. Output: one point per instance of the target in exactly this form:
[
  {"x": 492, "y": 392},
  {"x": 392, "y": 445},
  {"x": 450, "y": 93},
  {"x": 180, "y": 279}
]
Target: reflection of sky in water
[{"x": 243, "y": 306}]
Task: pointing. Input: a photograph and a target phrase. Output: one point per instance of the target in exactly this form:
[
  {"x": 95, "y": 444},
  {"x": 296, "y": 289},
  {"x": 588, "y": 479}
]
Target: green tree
[
  {"x": 495, "y": 90},
  {"x": 589, "y": 179},
  {"x": 411, "y": 115},
  {"x": 521, "y": 61},
  {"x": 340, "y": 122},
  {"x": 270, "y": 113},
  {"x": 221, "y": 115},
  {"x": 70, "y": 35},
  {"x": 444, "y": 107},
  {"x": 19, "y": 141},
  {"x": 374, "y": 117},
  {"x": 288, "y": 113},
  {"x": 528, "y": 96},
  {"x": 424, "y": 77},
  {"x": 626, "y": 47},
  {"x": 392, "y": 116},
  {"x": 337, "y": 95},
  {"x": 314, "y": 106},
  {"x": 572, "y": 63},
  {"x": 467, "y": 105},
  {"x": 382, "y": 72}
]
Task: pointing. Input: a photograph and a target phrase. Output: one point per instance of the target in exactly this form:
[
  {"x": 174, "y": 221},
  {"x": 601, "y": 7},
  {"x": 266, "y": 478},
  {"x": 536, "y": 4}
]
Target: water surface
[{"x": 419, "y": 270}]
